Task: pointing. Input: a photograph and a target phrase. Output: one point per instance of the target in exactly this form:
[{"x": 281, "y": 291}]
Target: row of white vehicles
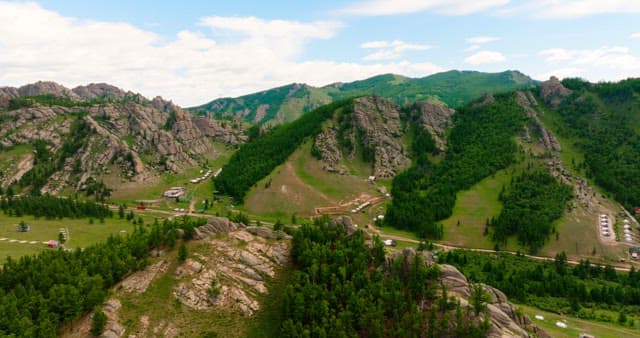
[{"x": 605, "y": 225}]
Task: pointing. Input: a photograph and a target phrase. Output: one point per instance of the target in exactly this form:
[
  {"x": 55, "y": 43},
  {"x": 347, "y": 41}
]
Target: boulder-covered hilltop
[{"x": 90, "y": 129}]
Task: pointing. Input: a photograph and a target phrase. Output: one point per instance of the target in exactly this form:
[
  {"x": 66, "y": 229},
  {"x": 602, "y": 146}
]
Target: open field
[
  {"x": 473, "y": 207},
  {"x": 300, "y": 185},
  {"x": 81, "y": 233},
  {"x": 576, "y": 326}
]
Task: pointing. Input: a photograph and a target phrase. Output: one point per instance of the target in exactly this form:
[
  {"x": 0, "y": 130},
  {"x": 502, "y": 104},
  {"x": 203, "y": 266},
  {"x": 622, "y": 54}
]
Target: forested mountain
[{"x": 283, "y": 104}]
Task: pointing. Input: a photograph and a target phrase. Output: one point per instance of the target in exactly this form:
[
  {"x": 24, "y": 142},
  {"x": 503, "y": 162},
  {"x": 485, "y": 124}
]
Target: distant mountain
[{"x": 453, "y": 88}]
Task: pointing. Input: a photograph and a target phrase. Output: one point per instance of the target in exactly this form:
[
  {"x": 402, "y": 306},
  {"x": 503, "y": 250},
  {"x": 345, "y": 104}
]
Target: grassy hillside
[{"x": 282, "y": 104}]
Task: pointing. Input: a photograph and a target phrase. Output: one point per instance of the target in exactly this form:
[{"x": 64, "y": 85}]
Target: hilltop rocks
[
  {"x": 529, "y": 103},
  {"x": 216, "y": 225},
  {"x": 506, "y": 321},
  {"x": 39, "y": 88},
  {"x": 234, "y": 272},
  {"x": 122, "y": 129},
  {"x": 378, "y": 122},
  {"x": 553, "y": 92},
  {"x": 327, "y": 145},
  {"x": 220, "y": 130},
  {"x": 435, "y": 118},
  {"x": 374, "y": 128}
]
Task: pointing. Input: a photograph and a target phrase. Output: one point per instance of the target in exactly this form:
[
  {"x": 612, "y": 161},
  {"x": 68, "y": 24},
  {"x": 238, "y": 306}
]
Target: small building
[{"x": 174, "y": 192}]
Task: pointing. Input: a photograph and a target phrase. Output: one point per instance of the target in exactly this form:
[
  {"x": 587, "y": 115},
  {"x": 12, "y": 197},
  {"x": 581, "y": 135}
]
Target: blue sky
[{"x": 195, "y": 51}]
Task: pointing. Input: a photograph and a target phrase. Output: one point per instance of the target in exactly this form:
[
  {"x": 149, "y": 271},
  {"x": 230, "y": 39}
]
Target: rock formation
[
  {"x": 126, "y": 129},
  {"x": 435, "y": 118},
  {"x": 374, "y": 128},
  {"x": 553, "y": 92}
]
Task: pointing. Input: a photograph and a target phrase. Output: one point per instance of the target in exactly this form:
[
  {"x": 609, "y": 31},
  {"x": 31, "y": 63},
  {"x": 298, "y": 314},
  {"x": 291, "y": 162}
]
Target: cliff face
[
  {"x": 375, "y": 130},
  {"x": 142, "y": 137}
]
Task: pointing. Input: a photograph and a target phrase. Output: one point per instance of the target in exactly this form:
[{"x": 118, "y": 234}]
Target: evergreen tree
[{"x": 98, "y": 322}]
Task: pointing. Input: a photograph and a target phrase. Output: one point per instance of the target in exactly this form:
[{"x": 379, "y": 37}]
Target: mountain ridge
[{"x": 286, "y": 103}]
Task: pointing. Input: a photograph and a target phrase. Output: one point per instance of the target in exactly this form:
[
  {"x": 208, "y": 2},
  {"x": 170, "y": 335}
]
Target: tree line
[
  {"x": 344, "y": 288},
  {"x": 51, "y": 207},
  {"x": 583, "y": 290},
  {"x": 480, "y": 143},
  {"x": 39, "y": 294},
  {"x": 259, "y": 157}
]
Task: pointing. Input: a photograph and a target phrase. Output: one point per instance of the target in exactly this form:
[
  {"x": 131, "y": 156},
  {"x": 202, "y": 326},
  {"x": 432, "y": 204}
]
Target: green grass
[
  {"x": 299, "y": 186},
  {"x": 473, "y": 207},
  {"x": 81, "y": 233},
  {"x": 577, "y": 326},
  {"x": 396, "y": 232},
  {"x": 266, "y": 322},
  {"x": 160, "y": 305}
]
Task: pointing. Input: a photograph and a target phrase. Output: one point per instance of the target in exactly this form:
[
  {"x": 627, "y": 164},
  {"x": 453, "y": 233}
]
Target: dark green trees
[{"x": 481, "y": 143}]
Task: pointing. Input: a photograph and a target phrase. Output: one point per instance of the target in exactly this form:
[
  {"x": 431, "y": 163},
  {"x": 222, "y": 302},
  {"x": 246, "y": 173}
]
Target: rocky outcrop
[
  {"x": 216, "y": 225},
  {"x": 377, "y": 121},
  {"x": 221, "y": 131},
  {"x": 435, "y": 118},
  {"x": 122, "y": 129},
  {"x": 101, "y": 91},
  {"x": 39, "y": 88},
  {"x": 327, "y": 145},
  {"x": 530, "y": 105},
  {"x": 553, "y": 92},
  {"x": 373, "y": 128},
  {"x": 506, "y": 321},
  {"x": 485, "y": 99},
  {"x": 233, "y": 273}
]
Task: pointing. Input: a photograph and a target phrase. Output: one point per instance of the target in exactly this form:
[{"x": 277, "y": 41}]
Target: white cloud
[
  {"x": 477, "y": 40},
  {"x": 388, "y": 50},
  {"x": 484, "y": 57},
  {"x": 447, "y": 7},
  {"x": 611, "y": 63},
  {"x": 238, "y": 56},
  {"x": 565, "y": 9},
  {"x": 472, "y": 48},
  {"x": 635, "y": 35}
]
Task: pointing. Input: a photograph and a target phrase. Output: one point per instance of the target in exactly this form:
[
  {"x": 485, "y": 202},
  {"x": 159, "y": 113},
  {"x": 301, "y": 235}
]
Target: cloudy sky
[{"x": 202, "y": 50}]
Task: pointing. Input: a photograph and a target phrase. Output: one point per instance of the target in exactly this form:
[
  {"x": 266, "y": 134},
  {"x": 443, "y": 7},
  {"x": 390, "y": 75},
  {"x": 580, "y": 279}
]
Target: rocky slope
[
  {"x": 506, "y": 321},
  {"x": 227, "y": 273},
  {"x": 141, "y": 137},
  {"x": 374, "y": 130}
]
